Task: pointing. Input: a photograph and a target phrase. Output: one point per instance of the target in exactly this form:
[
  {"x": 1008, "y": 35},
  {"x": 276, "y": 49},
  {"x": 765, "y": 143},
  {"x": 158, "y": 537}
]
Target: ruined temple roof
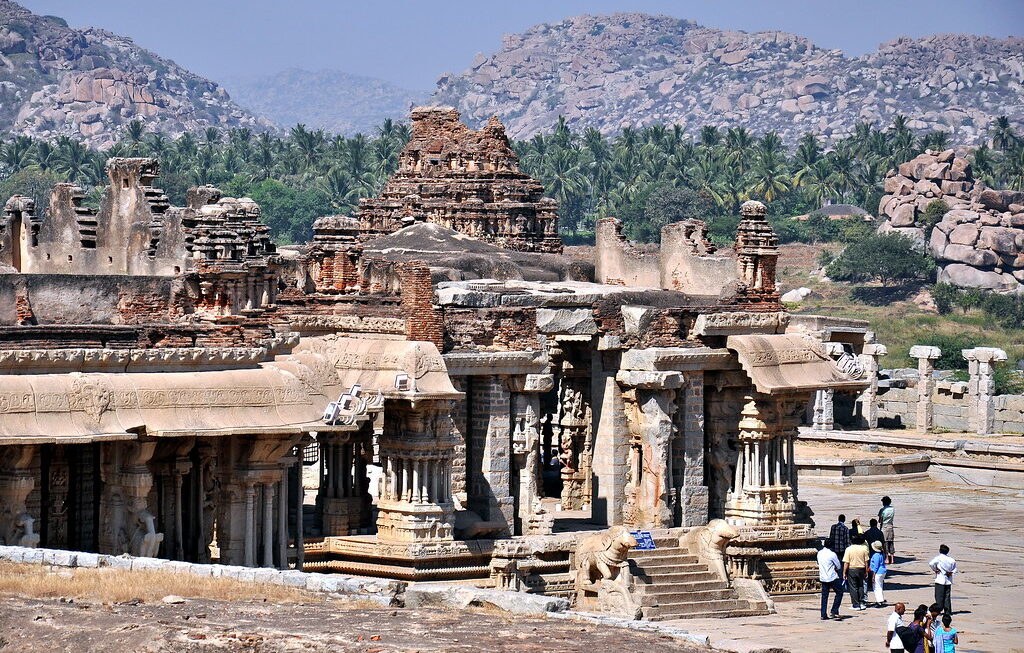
[
  {"x": 374, "y": 365},
  {"x": 789, "y": 362},
  {"x": 81, "y": 407}
]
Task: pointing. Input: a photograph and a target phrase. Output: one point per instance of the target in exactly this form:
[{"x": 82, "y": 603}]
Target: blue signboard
[{"x": 644, "y": 541}]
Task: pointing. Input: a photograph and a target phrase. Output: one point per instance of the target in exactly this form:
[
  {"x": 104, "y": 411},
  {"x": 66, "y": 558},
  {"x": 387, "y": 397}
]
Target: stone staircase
[{"x": 675, "y": 584}]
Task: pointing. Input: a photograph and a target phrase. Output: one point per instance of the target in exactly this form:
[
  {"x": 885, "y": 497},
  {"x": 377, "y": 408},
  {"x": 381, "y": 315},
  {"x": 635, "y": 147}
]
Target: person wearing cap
[{"x": 877, "y": 571}]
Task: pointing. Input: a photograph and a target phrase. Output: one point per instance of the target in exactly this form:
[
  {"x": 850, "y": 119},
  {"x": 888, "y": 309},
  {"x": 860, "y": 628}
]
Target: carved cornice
[
  {"x": 74, "y": 359},
  {"x": 350, "y": 323},
  {"x": 495, "y": 362}
]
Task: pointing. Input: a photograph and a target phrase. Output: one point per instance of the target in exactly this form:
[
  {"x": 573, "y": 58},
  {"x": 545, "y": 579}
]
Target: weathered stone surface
[
  {"x": 964, "y": 234},
  {"x": 966, "y": 254},
  {"x": 966, "y": 276},
  {"x": 572, "y": 321},
  {"x": 443, "y": 595}
]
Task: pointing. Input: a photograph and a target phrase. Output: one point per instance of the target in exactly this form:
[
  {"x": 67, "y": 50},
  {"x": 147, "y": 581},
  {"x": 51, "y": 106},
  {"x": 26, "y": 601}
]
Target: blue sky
[{"x": 411, "y": 42}]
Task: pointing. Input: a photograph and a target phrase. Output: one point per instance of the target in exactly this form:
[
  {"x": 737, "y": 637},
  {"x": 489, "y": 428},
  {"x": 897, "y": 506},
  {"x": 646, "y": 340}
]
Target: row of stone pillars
[
  {"x": 417, "y": 480},
  {"x": 980, "y": 386}
]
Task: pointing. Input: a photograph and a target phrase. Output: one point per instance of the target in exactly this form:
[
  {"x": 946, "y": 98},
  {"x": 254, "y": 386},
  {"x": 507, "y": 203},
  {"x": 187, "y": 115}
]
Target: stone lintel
[
  {"x": 531, "y": 383},
  {"x": 740, "y": 322},
  {"x": 984, "y": 354},
  {"x": 925, "y": 351},
  {"x": 650, "y": 380},
  {"x": 509, "y": 363},
  {"x": 833, "y": 348},
  {"x": 677, "y": 359}
]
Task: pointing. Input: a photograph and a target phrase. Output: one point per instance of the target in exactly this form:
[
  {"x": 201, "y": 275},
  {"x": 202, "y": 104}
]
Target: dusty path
[{"x": 201, "y": 625}]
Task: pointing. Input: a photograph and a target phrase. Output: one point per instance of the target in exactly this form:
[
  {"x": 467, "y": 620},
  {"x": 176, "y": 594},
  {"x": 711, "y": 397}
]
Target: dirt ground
[{"x": 54, "y": 625}]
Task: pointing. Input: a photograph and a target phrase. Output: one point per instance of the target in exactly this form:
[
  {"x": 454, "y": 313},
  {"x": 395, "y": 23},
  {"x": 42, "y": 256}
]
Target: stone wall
[
  {"x": 951, "y": 407},
  {"x": 686, "y": 261},
  {"x": 979, "y": 243}
]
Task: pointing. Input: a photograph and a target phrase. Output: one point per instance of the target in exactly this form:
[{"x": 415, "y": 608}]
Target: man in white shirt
[
  {"x": 944, "y": 566},
  {"x": 829, "y": 571},
  {"x": 892, "y": 640}
]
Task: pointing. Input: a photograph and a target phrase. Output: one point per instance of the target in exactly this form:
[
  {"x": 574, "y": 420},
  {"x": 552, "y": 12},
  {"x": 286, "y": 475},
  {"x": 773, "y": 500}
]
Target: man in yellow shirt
[{"x": 855, "y": 569}]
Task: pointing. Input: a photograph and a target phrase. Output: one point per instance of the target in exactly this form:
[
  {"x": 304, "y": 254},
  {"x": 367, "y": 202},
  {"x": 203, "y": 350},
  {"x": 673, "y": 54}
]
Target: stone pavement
[{"x": 985, "y": 532}]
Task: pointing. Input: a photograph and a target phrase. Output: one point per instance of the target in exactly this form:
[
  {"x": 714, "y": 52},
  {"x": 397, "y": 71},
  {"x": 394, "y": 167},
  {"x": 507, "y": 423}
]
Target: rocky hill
[
  {"x": 335, "y": 101},
  {"x": 86, "y": 83},
  {"x": 632, "y": 70}
]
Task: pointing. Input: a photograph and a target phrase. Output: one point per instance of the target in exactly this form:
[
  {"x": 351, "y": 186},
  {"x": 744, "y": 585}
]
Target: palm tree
[
  {"x": 339, "y": 188},
  {"x": 1002, "y": 134},
  {"x": 45, "y": 155},
  {"x": 18, "y": 153},
  {"x": 566, "y": 183},
  {"x": 768, "y": 175},
  {"x": 710, "y": 136},
  {"x": 134, "y": 131}
]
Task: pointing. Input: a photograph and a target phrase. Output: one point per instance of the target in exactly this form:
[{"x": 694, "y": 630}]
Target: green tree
[{"x": 887, "y": 258}]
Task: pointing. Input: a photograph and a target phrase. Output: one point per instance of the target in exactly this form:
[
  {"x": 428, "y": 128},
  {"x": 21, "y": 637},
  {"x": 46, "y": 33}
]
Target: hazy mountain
[
  {"x": 632, "y": 70},
  {"x": 87, "y": 83},
  {"x": 338, "y": 102}
]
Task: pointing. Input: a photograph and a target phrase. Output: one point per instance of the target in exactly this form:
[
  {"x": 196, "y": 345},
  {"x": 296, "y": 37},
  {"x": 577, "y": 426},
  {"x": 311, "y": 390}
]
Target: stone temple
[{"x": 172, "y": 385}]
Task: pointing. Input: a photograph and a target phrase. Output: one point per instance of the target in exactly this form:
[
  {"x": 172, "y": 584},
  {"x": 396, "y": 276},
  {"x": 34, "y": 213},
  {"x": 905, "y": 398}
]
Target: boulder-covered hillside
[
  {"x": 86, "y": 83},
  {"x": 634, "y": 70}
]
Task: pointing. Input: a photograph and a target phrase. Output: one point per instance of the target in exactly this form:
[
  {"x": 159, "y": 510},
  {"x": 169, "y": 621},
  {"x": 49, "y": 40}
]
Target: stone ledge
[{"x": 381, "y": 590}]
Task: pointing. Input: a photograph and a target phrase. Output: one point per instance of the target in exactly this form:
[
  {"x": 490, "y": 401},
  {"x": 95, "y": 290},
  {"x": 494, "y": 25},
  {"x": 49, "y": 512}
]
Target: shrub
[
  {"x": 946, "y": 296},
  {"x": 933, "y": 214},
  {"x": 887, "y": 258}
]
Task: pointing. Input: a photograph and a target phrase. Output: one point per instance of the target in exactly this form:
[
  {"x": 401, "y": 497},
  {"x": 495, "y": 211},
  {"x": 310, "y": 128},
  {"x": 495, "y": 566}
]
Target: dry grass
[{"x": 117, "y": 585}]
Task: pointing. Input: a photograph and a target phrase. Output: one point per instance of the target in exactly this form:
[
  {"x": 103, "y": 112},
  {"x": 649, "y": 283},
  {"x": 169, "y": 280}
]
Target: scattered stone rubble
[
  {"x": 979, "y": 243},
  {"x": 634, "y": 70}
]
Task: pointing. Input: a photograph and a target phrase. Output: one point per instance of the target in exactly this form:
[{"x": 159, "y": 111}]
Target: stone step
[
  {"x": 672, "y": 595},
  {"x": 698, "y": 580},
  {"x": 679, "y": 556},
  {"x": 694, "y": 609},
  {"x": 667, "y": 560},
  {"x": 688, "y": 585},
  {"x": 669, "y": 566}
]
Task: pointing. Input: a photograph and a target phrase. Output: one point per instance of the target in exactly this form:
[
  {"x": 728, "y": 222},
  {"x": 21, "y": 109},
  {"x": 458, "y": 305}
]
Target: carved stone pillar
[
  {"x": 925, "y": 384},
  {"x": 869, "y": 398},
  {"x": 693, "y": 493},
  {"x": 530, "y": 517},
  {"x": 126, "y": 524},
  {"x": 824, "y": 410},
  {"x": 650, "y": 412},
  {"x": 17, "y": 527},
  {"x": 981, "y": 386},
  {"x": 343, "y": 497}
]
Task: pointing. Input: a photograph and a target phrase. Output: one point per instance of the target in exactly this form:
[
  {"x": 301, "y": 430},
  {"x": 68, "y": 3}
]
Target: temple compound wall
[
  {"x": 686, "y": 261},
  {"x": 467, "y": 430}
]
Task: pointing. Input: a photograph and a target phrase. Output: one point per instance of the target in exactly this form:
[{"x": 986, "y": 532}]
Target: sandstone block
[
  {"x": 572, "y": 321},
  {"x": 147, "y": 563},
  {"x": 83, "y": 559},
  {"x": 119, "y": 562},
  {"x": 292, "y": 578},
  {"x": 925, "y": 351}
]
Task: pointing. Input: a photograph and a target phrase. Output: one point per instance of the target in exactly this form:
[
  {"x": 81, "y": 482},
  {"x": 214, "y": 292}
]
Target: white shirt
[
  {"x": 941, "y": 564},
  {"x": 829, "y": 566},
  {"x": 894, "y": 621}
]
